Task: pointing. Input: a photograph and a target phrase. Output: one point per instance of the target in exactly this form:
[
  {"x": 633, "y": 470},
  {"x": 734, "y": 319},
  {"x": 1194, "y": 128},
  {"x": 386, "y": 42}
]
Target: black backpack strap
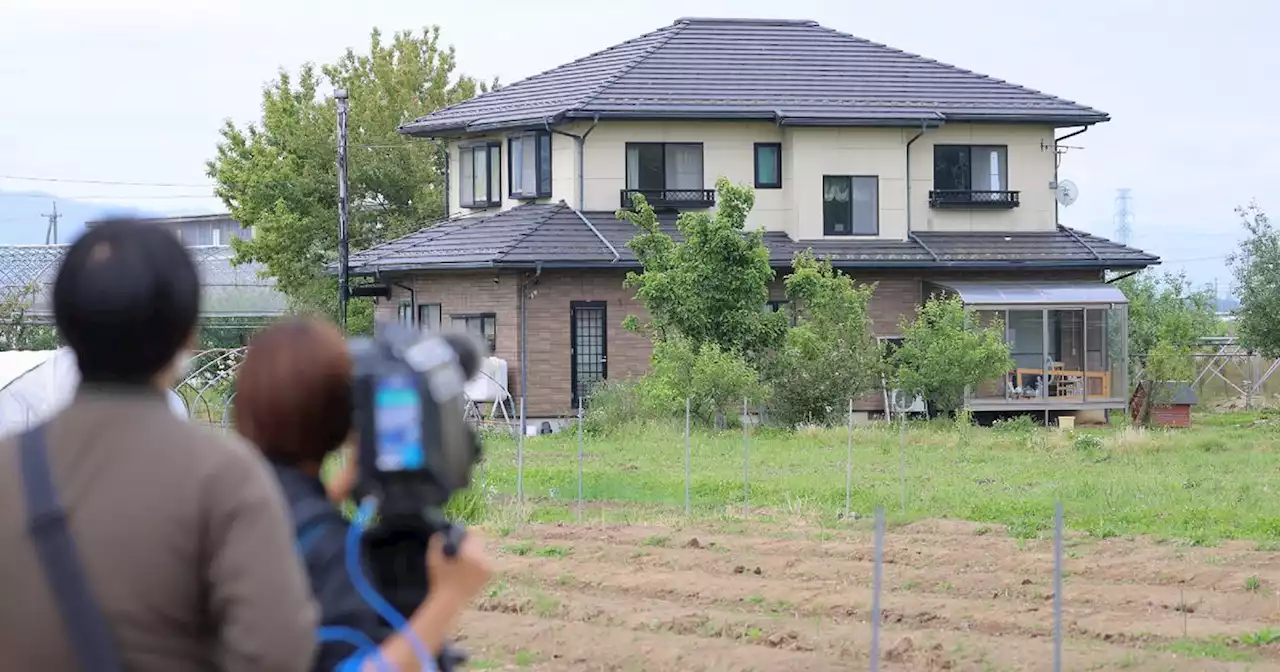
[{"x": 47, "y": 525}]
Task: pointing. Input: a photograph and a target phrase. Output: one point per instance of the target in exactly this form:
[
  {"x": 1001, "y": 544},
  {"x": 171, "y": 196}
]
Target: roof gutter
[
  {"x": 924, "y": 126},
  {"x": 976, "y": 265},
  {"x": 580, "y": 141},
  {"x": 413, "y": 302},
  {"x": 1057, "y": 159}
]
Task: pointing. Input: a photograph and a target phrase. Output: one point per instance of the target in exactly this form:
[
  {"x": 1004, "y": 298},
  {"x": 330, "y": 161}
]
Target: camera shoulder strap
[{"x": 47, "y": 525}]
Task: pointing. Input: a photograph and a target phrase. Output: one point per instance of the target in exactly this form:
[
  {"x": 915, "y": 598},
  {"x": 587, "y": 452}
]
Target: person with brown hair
[{"x": 294, "y": 401}]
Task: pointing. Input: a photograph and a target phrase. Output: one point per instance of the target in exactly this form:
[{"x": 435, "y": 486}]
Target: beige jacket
[{"x": 183, "y": 534}]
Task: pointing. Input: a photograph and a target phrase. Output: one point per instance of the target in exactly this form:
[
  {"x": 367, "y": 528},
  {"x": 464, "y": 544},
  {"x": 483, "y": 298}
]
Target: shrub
[
  {"x": 716, "y": 380},
  {"x": 830, "y": 355},
  {"x": 944, "y": 351}
]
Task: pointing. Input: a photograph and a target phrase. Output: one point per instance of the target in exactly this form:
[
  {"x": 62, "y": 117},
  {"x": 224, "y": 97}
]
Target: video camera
[{"x": 415, "y": 450}]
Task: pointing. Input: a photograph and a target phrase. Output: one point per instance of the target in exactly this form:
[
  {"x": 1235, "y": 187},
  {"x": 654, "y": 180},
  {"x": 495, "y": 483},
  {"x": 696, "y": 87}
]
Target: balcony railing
[
  {"x": 968, "y": 198},
  {"x": 672, "y": 198}
]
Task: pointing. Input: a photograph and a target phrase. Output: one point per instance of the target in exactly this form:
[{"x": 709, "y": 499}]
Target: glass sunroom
[{"x": 1068, "y": 340}]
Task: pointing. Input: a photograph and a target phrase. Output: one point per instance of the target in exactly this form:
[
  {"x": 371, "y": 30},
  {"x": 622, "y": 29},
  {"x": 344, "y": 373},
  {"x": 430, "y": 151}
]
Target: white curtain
[
  {"x": 466, "y": 182},
  {"x": 684, "y": 166}
]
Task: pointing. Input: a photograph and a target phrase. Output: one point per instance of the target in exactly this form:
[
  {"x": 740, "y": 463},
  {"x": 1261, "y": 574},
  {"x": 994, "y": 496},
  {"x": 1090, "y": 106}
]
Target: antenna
[
  {"x": 51, "y": 233},
  {"x": 1066, "y": 193},
  {"x": 1123, "y": 216}
]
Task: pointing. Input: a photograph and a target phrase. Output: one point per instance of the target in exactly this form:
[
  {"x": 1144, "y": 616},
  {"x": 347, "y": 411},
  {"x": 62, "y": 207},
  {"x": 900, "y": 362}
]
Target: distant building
[{"x": 199, "y": 230}]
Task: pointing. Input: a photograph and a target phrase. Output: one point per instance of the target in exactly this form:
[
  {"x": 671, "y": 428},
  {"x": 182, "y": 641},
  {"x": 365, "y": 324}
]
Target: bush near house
[{"x": 715, "y": 343}]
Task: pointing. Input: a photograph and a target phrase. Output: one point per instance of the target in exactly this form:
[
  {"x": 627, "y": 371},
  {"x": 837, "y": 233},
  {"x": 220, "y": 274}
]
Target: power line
[
  {"x": 115, "y": 197},
  {"x": 29, "y": 178}
]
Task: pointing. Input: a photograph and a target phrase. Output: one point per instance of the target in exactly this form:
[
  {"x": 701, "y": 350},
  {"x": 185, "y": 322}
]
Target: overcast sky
[{"x": 135, "y": 90}]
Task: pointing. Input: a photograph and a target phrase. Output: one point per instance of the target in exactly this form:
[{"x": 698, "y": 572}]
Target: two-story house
[{"x": 916, "y": 175}]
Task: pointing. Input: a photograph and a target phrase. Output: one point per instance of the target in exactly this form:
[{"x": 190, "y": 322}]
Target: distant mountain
[
  {"x": 23, "y": 221},
  {"x": 1227, "y": 304}
]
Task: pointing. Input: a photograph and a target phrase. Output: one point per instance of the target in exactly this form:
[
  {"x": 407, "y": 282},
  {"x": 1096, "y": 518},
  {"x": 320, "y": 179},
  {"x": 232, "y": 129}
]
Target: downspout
[
  {"x": 1057, "y": 158},
  {"x": 413, "y": 303},
  {"x": 581, "y": 141},
  {"x": 447, "y": 186},
  {"x": 524, "y": 343},
  {"x": 924, "y": 126}
]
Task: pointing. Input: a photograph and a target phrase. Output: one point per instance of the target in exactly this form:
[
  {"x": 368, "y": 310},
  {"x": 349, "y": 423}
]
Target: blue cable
[
  {"x": 371, "y": 596},
  {"x": 365, "y": 646}
]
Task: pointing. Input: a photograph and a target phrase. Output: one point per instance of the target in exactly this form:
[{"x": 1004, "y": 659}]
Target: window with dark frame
[
  {"x": 480, "y": 175},
  {"x": 850, "y": 205},
  {"x": 768, "y": 165},
  {"x": 404, "y": 312},
  {"x": 529, "y": 165},
  {"x": 657, "y": 166},
  {"x": 429, "y": 316},
  {"x": 970, "y": 168},
  {"x": 481, "y": 324}
]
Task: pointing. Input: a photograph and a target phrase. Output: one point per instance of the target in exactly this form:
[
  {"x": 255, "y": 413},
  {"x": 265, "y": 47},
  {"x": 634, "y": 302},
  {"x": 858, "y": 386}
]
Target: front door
[{"x": 588, "y": 357}]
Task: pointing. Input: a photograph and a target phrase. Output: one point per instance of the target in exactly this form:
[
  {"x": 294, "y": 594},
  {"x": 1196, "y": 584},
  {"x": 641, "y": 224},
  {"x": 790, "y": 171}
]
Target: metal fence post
[
  {"x": 1057, "y": 586},
  {"x": 902, "y": 459},
  {"x": 876, "y": 584},
  {"x": 848, "y": 464},
  {"x": 688, "y": 412},
  {"x": 746, "y": 460},
  {"x": 520, "y": 458},
  {"x": 579, "y": 459}
]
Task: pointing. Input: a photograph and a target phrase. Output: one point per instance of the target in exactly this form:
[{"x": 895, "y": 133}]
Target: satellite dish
[{"x": 1066, "y": 192}]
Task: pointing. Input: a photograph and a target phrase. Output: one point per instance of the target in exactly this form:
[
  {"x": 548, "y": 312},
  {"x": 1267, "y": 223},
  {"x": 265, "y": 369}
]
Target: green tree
[
  {"x": 712, "y": 286},
  {"x": 831, "y": 354},
  {"x": 945, "y": 351},
  {"x": 1163, "y": 308},
  {"x": 715, "y": 380},
  {"x": 1256, "y": 265},
  {"x": 279, "y": 175},
  {"x": 17, "y": 330}
]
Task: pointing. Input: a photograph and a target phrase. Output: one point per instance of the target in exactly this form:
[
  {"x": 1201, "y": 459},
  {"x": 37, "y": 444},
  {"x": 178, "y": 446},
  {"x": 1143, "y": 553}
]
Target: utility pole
[
  {"x": 51, "y": 233},
  {"x": 341, "y": 97}
]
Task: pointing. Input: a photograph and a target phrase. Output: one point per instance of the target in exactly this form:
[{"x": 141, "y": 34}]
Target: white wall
[
  {"x": 807, "y": 155},
  {"x": 728, "y": 150}
]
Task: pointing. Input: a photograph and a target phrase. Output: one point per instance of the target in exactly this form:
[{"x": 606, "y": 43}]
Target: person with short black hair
[{"x": 130, "y": 539}]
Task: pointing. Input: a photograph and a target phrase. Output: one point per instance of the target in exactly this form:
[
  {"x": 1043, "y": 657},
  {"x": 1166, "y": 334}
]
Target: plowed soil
[{"x": 957, "y": 596}]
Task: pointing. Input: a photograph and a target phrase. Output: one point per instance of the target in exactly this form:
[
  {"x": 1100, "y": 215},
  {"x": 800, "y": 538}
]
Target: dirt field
[{"x": 958, "y": 596}]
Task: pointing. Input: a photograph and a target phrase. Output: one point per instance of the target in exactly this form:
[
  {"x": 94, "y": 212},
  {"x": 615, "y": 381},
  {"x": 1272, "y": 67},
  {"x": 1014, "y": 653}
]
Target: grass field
[
  {"x": 1171, "y": 562},
  {"x": 1217, "y": 481}
]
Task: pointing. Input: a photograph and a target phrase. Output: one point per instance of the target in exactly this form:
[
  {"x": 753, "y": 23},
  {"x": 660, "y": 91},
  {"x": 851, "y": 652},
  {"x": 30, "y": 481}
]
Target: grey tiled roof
[
  {"x": 792, "y": 72},
  {"x": 556, "y": 235}
]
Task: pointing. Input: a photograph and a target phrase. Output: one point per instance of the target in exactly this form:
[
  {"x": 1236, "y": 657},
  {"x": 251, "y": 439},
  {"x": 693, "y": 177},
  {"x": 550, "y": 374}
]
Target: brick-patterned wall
[
  {"x": 548, "y": 310},
  {"x": 548, "y": 326}
]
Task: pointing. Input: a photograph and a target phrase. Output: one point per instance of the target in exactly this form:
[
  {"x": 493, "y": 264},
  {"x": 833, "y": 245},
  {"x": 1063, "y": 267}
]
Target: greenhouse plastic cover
[{"x": 36, "y": 384}]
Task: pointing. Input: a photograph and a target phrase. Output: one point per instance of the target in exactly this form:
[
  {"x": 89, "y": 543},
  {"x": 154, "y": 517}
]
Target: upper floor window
[
  {"x": 666, "y": 174},
  {"x": 850, "y": 205},
  {"x": 971, "y": 175},
  {"x": 480, "y": 175},
  {"x": 768, "y": 165},
  {"x": 529, "y": 165}
]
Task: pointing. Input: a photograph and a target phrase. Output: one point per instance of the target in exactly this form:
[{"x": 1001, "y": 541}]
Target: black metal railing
[
  {"x": 968, "y": 198},
  {"x": 672, "y": 198}
]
